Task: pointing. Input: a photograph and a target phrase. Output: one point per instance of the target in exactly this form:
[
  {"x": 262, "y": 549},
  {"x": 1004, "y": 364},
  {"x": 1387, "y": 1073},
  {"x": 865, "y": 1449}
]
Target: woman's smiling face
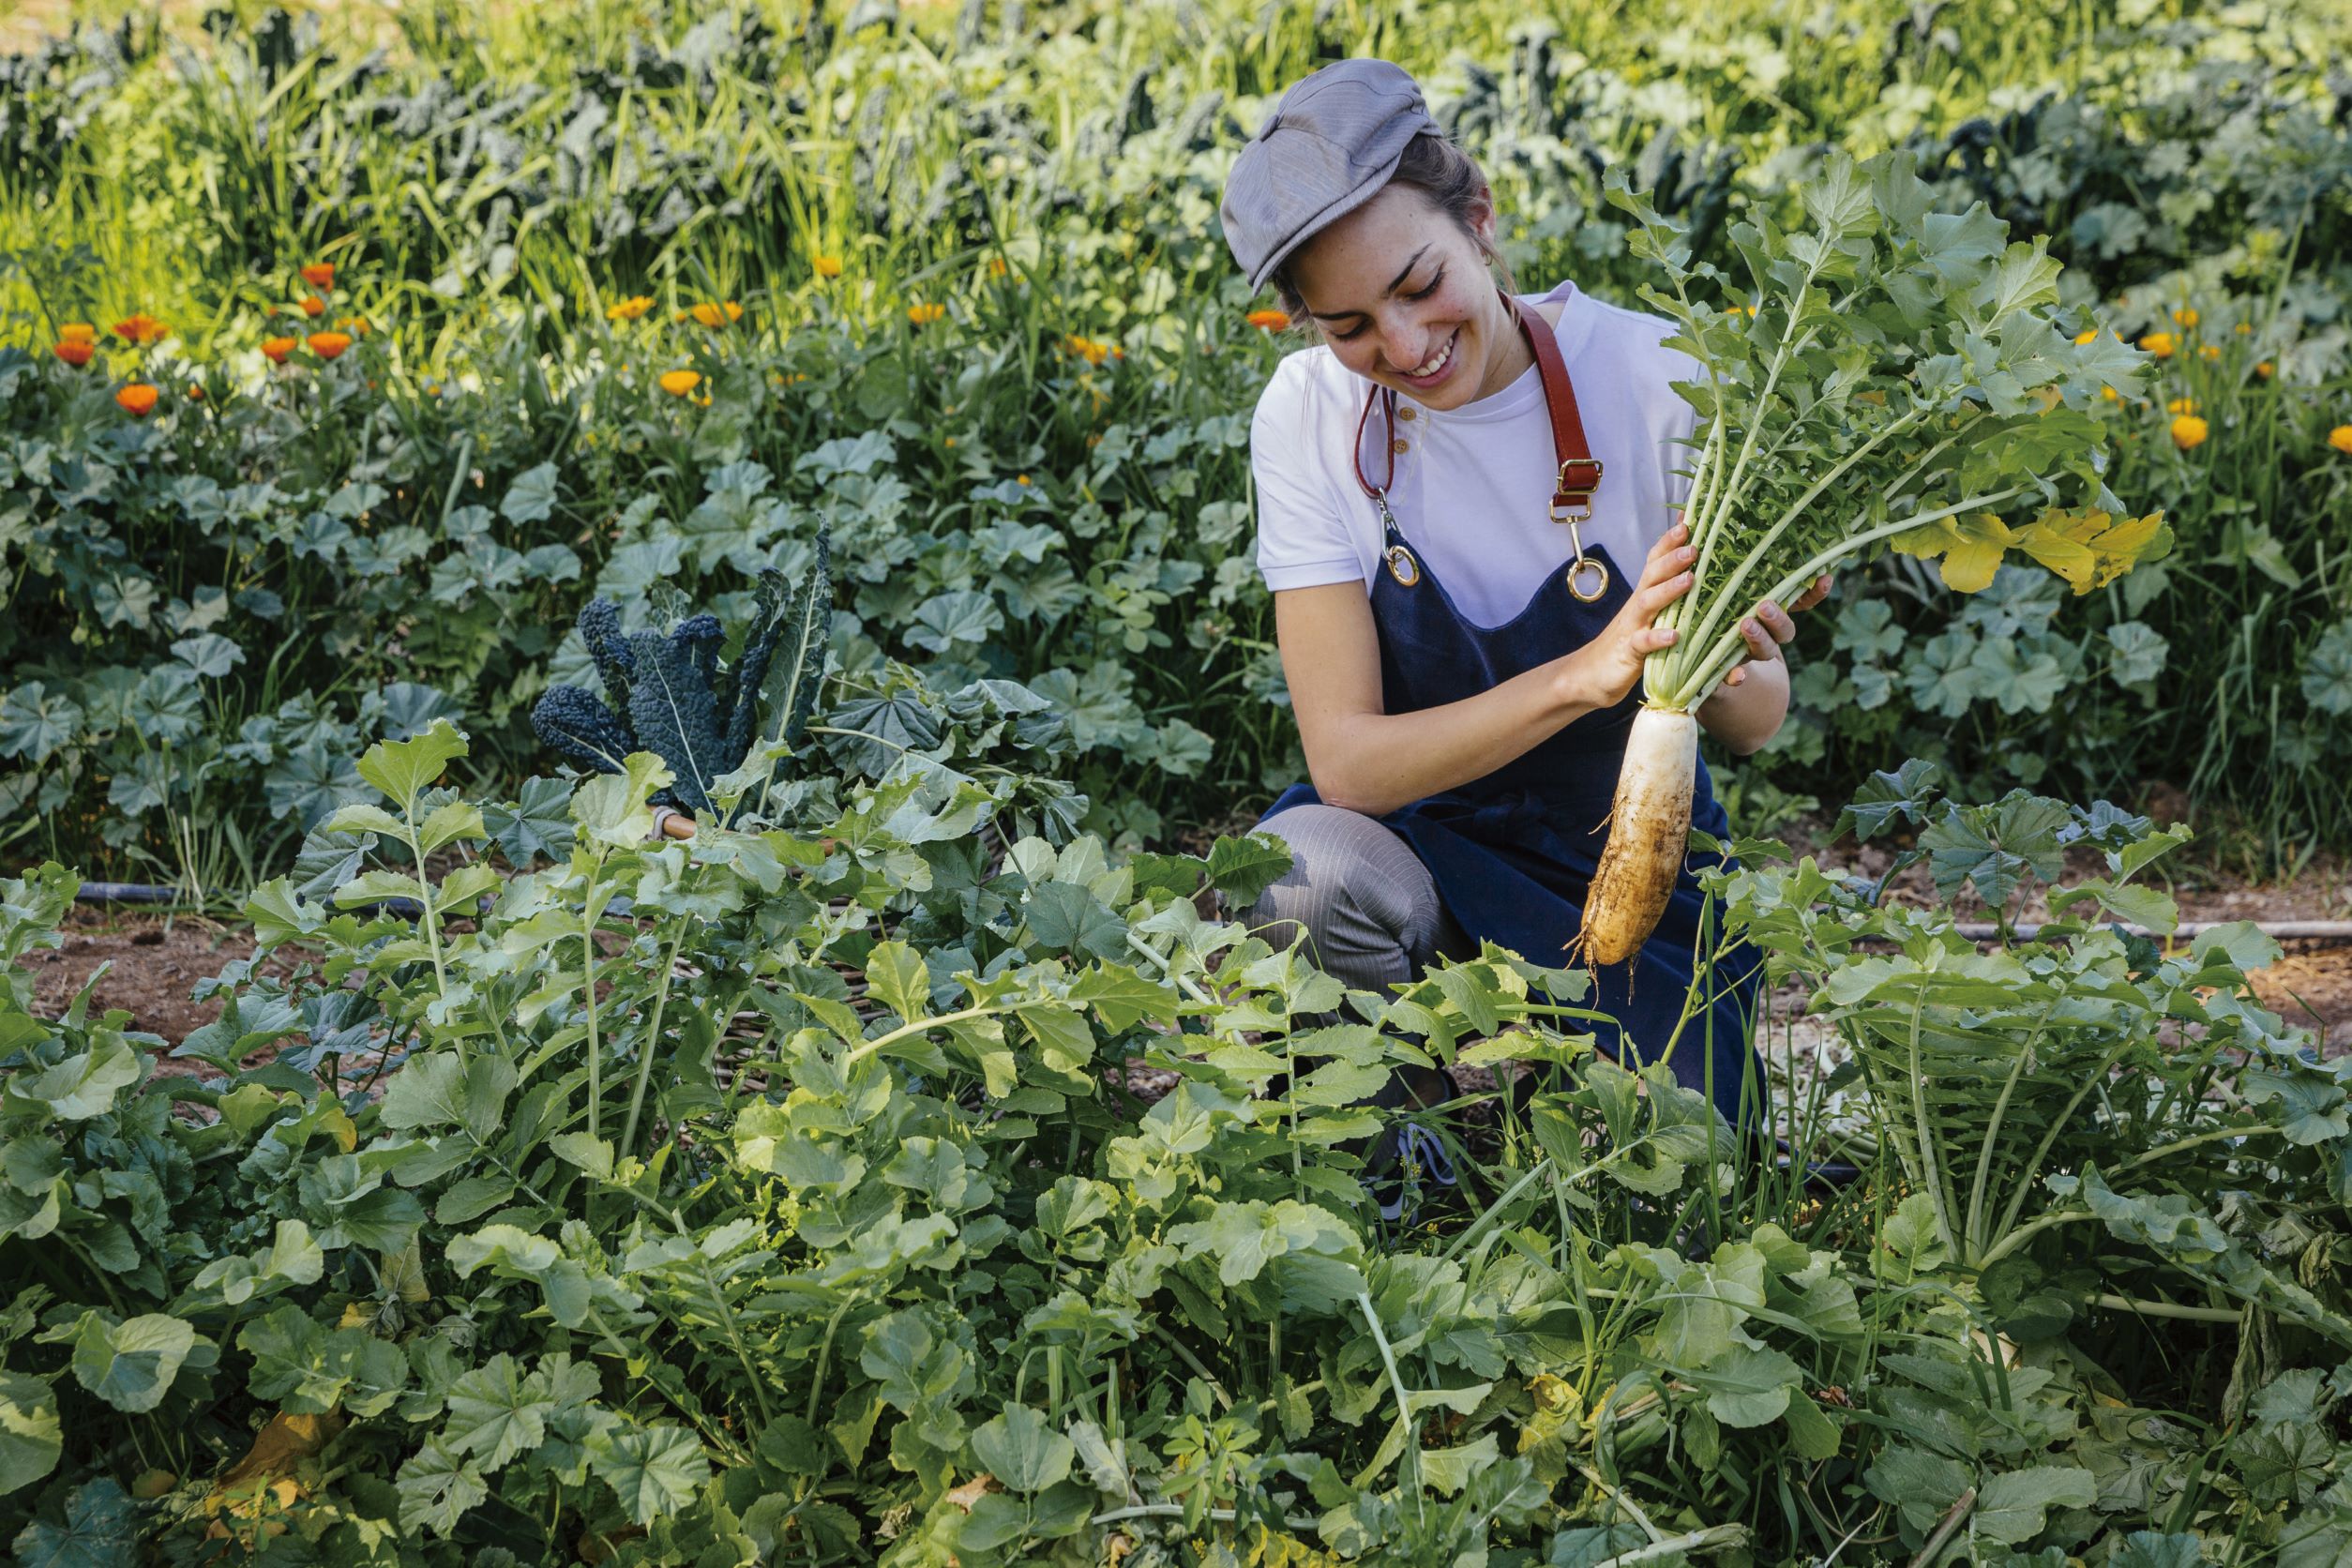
[{"x": 1396, "y": 287}]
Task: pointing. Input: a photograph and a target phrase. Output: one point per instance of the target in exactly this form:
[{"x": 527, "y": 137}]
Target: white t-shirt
[{"x": 1473, "y": 488}]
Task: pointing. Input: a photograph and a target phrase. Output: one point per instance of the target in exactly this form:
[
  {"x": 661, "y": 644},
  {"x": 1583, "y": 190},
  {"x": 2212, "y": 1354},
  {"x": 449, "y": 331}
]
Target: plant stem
[
  {"x": 1403, "y": 1405},
  {"x": 1725, "y": 654},
  {"x": 2169, "y": 1310},
  {"x": 1718, "y": 600},
  {"x": 1713, "y": 1538},
  {"x": 652, "y": 1042}
]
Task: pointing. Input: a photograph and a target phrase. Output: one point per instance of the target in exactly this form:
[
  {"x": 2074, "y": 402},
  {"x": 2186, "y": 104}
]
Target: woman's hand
[
  {"x": 1765, "y": 631},
  {"x": 1605, "y": 670}
]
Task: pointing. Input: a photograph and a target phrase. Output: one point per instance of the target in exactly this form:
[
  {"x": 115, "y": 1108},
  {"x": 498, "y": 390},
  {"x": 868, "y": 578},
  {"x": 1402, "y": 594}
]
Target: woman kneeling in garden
[{"x": 1464, "y": 583}]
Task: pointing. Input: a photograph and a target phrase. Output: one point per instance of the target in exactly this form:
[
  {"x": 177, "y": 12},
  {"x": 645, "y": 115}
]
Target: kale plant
[{"x": 667, "y": 694}]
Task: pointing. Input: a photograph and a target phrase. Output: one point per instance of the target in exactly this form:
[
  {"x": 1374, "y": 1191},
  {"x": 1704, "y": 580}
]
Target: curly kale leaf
[
  {"x": 673, "y": 710},
  {"x": 583, "y": 729},
  {"x": 608, "y": 645},
  {"x": 783, "y": 697}
]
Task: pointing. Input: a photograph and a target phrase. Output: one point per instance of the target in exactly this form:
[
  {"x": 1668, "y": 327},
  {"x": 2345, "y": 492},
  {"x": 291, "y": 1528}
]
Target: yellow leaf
[
  {"x": 339, "y": 1126},
  {"x": 2071, "y": 558},
  {"x": 1971, "y": 548}
]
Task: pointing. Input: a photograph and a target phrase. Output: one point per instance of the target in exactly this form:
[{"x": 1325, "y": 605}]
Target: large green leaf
[
  {"x": 404, "y": 769},
  {"x": 655, "y": 1470},
  {"x": 131, "y": 1365},
  {"x": 1018, "y": 1449},
  {"x": 30, "y": 1437}
]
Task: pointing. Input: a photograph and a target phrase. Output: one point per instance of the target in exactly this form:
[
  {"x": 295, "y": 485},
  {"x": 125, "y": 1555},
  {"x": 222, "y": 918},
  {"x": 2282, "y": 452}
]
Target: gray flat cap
[{"x": 1328, "y": 147}]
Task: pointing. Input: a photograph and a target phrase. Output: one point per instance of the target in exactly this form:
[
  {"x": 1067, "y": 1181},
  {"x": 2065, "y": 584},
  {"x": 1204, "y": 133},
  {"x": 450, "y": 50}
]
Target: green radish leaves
[{"x": 1900, "y": 380}]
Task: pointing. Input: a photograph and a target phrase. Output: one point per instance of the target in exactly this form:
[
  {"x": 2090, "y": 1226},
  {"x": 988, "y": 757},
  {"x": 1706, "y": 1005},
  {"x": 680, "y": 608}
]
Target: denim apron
[{"x": 1514, "y": 854}]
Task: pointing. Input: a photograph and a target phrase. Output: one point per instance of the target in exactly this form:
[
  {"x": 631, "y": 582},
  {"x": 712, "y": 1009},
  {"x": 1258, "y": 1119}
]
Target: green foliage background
[{"x": 214, "y": 610}]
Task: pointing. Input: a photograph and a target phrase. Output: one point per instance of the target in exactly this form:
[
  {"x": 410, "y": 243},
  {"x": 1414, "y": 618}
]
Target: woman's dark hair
[{"x": 1453, "y": 184}]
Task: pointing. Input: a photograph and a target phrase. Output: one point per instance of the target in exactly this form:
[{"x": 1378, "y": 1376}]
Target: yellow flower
[
  {"x": 2185, "y": 316},
  {"x": 951, "y": 440},
  {"x": 2341, "y": 438},
  {"x": 1020, "y": 478},
  {"x": 2209, "y": 351},
  {"x": 2181, "y": 405},
  {"x": 2188, "y": 430},
  {"x": 2265, "y": 369},
  {"x": 679, "y": 383},
  {"x": 77, "y": 332},
  {"x": 2243, "y": 329},
  {"x": 629, "y": 308},
  {"x": 996, "y": 266},
  {"x": 2111, "y": 394},
  {"x": 2089, "y": 335},
  {"x": 828, "y": 267},
  {"x": 2158, "y": 343},
  {"x": 924, "y": 315},
  {"x": 711, "y": 313}
]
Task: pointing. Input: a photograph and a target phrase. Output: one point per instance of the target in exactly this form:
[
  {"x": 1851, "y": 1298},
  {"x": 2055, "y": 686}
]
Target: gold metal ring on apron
[
  {"x": 1587, "y": 579},
  {"x": 1402, "y": 566}
]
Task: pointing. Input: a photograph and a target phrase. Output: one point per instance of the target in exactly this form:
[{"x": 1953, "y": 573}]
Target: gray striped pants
[{"x": 1371, "y": 913}]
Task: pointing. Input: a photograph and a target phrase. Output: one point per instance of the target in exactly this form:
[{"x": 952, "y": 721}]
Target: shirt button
[
  {"x": 1401, "y": 444},
  {"x": 1405, "y": 413}
]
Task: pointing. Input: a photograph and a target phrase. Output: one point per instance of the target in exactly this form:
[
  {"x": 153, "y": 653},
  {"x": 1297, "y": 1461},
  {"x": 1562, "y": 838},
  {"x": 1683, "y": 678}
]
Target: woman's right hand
[{"x": 1605, "y": 670}]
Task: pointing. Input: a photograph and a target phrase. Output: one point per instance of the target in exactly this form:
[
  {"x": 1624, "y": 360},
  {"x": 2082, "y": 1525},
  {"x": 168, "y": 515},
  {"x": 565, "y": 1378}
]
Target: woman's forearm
[
  {"x": 1376, "y": 763},
  {"x": 1744, "y": 716}
]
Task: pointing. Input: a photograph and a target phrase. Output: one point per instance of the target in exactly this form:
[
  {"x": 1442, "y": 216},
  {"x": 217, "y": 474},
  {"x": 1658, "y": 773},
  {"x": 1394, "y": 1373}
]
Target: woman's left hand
[{"x": 1771, "y": 626}]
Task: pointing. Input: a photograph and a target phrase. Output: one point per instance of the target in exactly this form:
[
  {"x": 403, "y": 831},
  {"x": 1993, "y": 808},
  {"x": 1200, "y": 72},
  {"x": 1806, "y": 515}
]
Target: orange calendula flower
[
  {"x": 997, "y": 267},
  {"x": 74, "y": 353},
  {"x": 320, "y": 275},
  {"x": 679, "y": 383},
  {"x": 2209, "y": 351},
  {"x": 1020, "y": 478},
  {"x": 1269, "y": 321},
  {"x": 141, "y": 329},
  {"x": 2243, "y": 329},
  {"x": 276, "y": 349},
  {"x": 629, "y": 308},
  {"x": 2181, "y": 405},
  {"x": 2189, "y": 430},
  {"x": 2158, "y": 343},
  {"x": 2266, "y": 370},
  {"x": 138, "y": 398},
  {"x": 314, "y": 307},
  {"x": 2186, "y": 316},
  {"x": 355, "y": 326},
  {"x": 2341, "y": 438},
  {"x": 712, "y": 313},
  {"x": 951, "y": 440},
  {"x": 196, "y": 391},
  {"x": 828, "y": 267},
  {"x": 77, "y": 332},
  {"x": 327, "y": 345},
  {"x": 924, "y": 315}
]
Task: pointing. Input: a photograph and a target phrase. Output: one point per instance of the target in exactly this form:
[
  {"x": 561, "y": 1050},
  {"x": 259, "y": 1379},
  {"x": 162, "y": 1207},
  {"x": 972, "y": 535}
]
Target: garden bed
[{"x": 154, "y": 961}]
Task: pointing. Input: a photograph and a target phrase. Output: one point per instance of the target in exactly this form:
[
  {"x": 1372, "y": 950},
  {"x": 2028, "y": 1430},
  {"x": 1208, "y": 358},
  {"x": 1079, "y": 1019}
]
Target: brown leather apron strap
[{"x": 1579, "y": 471}]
